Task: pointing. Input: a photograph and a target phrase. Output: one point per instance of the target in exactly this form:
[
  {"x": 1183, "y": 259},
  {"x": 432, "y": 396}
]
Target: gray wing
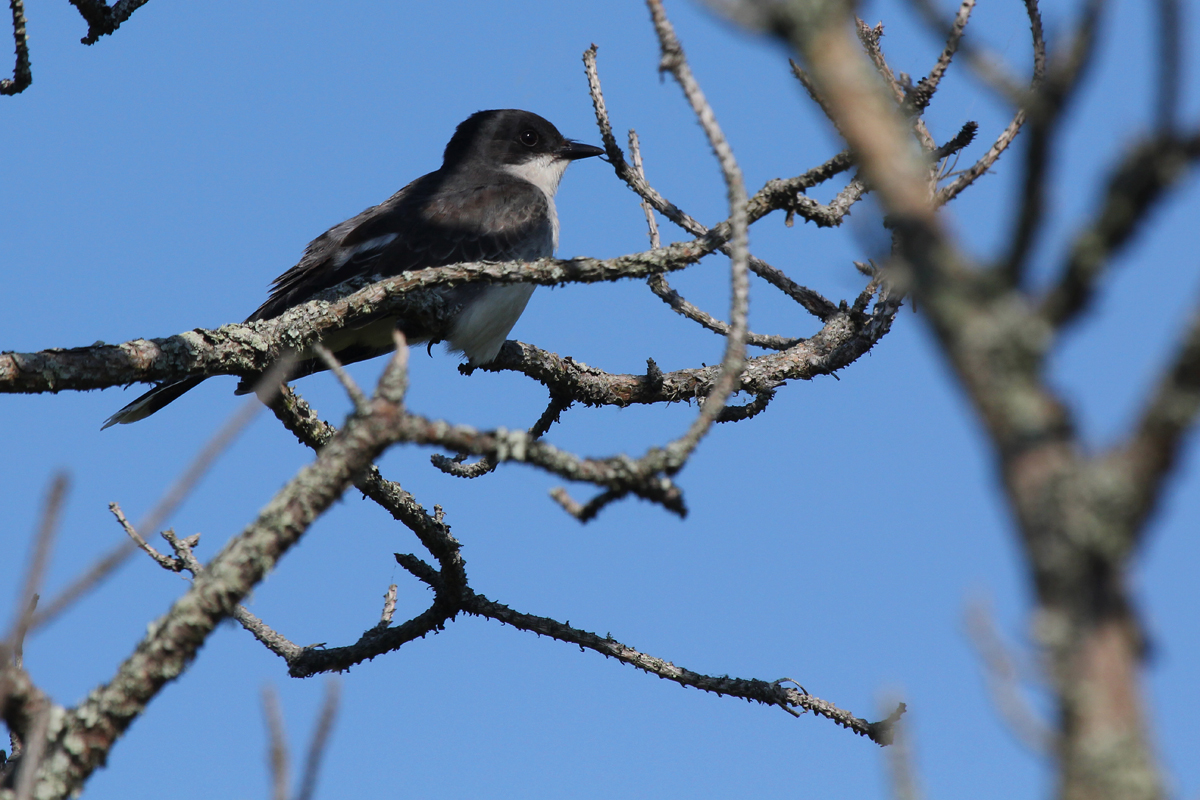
[{"x": 432, "y": 222}]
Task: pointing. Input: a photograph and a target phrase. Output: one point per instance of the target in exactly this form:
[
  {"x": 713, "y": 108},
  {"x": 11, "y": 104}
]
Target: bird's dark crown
[{"x": 503, "y": 136}]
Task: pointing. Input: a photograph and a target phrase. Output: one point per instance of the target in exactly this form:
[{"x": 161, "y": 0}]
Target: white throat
[{"x": 545, "y": 172}]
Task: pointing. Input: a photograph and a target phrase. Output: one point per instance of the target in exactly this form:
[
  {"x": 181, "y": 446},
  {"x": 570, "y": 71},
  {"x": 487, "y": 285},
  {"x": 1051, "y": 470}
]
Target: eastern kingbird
[{"x": 492, "y": 200}]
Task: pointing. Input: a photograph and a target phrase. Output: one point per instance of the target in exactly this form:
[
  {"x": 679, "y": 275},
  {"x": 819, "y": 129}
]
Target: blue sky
[{"x": 159, "y": 180}]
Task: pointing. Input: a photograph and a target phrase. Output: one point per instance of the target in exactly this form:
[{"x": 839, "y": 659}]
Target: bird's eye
[{"x": 529, "y": 138}]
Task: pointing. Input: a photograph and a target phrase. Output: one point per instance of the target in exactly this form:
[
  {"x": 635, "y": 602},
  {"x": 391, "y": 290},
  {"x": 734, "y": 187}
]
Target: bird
[{"x": 491, "y": 200}]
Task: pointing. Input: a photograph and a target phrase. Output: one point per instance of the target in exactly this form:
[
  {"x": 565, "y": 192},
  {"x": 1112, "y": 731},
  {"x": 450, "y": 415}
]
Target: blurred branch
[
  {"x": 1048, "y": 101},
  {"x": 1144, "y": 175},
  {"x": 1148, "y": 457},
  {"x": 1170, "y": 64},
  {"x": 278, "y": 760},
  {"x": 320, "y": 739},
  {"x": 1003, "y": 682},
  {"x": 35, "y": 572}
]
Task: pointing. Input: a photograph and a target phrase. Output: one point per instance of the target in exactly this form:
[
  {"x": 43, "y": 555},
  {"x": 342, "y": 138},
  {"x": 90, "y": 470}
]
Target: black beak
[{"x": 576, "y": 150}]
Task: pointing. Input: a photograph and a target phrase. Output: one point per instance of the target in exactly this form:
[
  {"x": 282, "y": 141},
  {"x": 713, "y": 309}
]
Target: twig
[
  {"x": 635, "y": 153},
  {"x": 809, "y": 86},
  {"x": 987, "y": 66},
  {"x": 734, "y": 359},
  {"x": 751, "y": 409},
  {"x": 662, "y": 289},
  {"x": 869, "y": 37},
  {"x": 776, "y": 195},
  {"x": 455, "y": 467},
  {"x": 22, "y": 74},
  {"x": 320, "y": 739},
  {"x": 985, "y": 162},
  {"x": 588, "y": 511},
  {"x": 175, "y": 494},
  {"x": 352, "y": 389},
  {"x": 918, "y": 99},
  {"x": 1003, "y": 682},
  {"x": 164, "y": 561},
  {"x": 35, "y": 572},
  {"x": 277, "y": 753},
  {"x": 389, "y": 606}
]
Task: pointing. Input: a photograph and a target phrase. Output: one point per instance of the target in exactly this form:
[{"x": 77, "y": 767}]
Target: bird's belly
[{"x": 488, "y": 314}]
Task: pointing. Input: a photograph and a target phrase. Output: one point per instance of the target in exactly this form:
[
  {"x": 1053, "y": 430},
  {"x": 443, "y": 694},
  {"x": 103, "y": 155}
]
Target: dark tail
[{"x": 151, "y": 401}]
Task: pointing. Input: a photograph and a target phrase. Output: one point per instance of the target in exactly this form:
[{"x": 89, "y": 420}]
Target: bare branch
[
  {"x": 844, "y": 337},
  {"x": 103, "y": 19},
  {"x": 454, "y": 466},
  {"x": 251, "y": 349},
  {"x": 22, "y": 74},
  {"x": 769, "y": 693}
]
